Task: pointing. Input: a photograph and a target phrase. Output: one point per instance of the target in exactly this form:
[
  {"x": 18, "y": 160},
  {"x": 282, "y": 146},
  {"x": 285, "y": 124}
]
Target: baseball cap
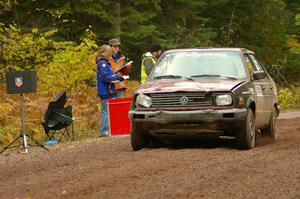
[{"x": 114, "y": 42}]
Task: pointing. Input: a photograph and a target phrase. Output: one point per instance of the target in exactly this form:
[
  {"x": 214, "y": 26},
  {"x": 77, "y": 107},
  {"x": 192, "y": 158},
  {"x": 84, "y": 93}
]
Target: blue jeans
[
  {"x": 120, "y": 93},
  {"x": 104, "y": 125}
]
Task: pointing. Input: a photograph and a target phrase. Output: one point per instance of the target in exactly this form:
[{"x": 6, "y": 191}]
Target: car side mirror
[{"x": 257, "y": 75}]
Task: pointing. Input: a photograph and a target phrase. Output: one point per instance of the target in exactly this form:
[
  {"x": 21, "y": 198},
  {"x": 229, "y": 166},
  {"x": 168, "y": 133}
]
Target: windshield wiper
[
  {"x": 206, "y": 75},
  {"x": 214, "y": 76},
  {"x": 228, "y": 77},
  {"x": 173, "y": 77}
]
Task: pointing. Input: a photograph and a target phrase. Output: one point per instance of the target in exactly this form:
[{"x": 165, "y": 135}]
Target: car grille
[{"x": 163, "y": 100}]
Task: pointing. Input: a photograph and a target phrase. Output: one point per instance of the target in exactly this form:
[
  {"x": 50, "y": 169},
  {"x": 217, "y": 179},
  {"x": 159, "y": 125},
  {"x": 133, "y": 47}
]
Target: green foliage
[
  {"x": 72, "y": 67},
  {"x": 264, "y": 26},
  {"x": 184, "y": 24},
  {"x": 134, "y": 23},
  {"x": 24, "y": 51},
  {"x": 6, "y": 5},
  {"x": 71, "y": 18},
  {"x": 297, "y": 19},
  {"x": 60, "y": 65},
  {"x": 258, "y": 25},
  {"x": 293, "y": 58},
  {"x": 60, "y": 38},
  {"x": 288, "y": 99}
]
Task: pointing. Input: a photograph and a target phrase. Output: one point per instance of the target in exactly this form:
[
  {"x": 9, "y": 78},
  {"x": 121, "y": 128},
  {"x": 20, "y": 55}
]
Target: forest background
[{"x": 60, "y": 39}]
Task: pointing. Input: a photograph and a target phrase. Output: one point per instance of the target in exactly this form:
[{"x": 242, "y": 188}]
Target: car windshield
[{"x": 200, "y": 65}]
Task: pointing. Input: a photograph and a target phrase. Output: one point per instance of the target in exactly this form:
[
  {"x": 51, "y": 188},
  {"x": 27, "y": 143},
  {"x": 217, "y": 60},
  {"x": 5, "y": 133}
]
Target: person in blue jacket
[{"x": 105, "y": 86}]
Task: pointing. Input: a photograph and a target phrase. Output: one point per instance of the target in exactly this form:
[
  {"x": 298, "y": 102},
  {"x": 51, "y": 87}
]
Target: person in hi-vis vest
[
  {"x": 117, "y": 61},
  {"x": 149, "y": 59}
]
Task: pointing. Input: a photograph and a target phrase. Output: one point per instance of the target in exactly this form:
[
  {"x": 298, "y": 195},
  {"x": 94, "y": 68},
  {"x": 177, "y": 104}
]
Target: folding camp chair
[{"x": 58, "y": 120}]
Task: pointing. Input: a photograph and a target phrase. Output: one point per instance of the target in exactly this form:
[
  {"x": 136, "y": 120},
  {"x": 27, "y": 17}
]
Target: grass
[
  {"x": 85, "y": 106},
  {"x": 85, "y": 111},
  {"x": 296, "y": 90}
]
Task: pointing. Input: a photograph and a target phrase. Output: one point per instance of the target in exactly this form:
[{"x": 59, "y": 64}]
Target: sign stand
[
  {"x": 22, "y": 82},
  {"x": 23, "y": 134}
]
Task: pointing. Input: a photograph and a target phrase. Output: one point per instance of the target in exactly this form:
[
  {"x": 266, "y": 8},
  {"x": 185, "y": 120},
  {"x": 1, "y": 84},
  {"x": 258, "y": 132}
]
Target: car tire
[
  {"x": 271, "y": 130},
  {"x": 138, "y": 138},
  {"x": 155, "y": 142},
  {"x": 246, "y": 136}
]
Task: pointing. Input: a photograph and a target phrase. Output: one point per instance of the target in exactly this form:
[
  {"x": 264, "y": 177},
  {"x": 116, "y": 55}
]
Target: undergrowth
[{"x": 85, "y": 106}]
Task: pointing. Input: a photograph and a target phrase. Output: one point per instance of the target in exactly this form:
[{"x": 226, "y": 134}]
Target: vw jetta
[{"x": 213, "y": 91}]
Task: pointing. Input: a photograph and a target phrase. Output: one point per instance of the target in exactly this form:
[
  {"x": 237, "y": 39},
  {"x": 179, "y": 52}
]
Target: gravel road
[{"x": 108, "y": 168}]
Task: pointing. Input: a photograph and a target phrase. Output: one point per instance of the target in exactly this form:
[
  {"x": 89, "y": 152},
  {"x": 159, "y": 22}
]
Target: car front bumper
[{"x": 190, "y": 121}]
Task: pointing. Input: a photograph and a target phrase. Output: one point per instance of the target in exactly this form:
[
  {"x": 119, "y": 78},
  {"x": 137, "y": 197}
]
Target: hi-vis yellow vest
[{"x": 143, "y": 71}]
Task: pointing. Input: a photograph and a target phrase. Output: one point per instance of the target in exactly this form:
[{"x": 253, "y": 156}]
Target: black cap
[{"x": 155, "y": 47}]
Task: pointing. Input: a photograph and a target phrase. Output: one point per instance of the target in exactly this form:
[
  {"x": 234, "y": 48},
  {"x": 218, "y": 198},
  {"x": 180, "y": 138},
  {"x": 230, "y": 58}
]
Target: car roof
[{"x": 243, "y": 50}]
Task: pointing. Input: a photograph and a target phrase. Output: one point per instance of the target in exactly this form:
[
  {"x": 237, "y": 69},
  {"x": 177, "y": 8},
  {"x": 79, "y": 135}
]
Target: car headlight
[
  {"x": 143, "y": 100},
  {"x": 223, "y": 100}
]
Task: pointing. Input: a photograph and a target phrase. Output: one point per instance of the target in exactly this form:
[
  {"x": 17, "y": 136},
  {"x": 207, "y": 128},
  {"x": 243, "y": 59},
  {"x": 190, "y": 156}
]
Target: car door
[{"x": 264, "y": 93}]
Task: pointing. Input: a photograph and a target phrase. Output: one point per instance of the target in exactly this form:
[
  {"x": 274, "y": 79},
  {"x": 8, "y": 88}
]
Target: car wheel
[
  {"x": 155, "y": 142},
  {"x": 246, "y": 136},
  {"x": 271, "y": 130},
  {"x": 138, "y": 138}
]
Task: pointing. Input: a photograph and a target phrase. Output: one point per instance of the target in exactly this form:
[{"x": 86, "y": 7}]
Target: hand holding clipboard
[{"x": 126, "y": 69}]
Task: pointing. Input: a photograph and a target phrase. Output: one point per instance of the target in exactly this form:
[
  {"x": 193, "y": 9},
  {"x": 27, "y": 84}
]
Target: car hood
[{"x": 162, "y": 86}]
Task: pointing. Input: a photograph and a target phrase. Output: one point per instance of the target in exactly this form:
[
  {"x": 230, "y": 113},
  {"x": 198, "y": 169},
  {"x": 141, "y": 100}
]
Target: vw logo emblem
[{"x": 183, "y": 100}]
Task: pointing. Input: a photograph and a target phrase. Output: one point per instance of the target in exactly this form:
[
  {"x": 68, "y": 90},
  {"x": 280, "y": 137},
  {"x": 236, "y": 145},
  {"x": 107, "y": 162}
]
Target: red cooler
[{"x": 118, "y": 110}]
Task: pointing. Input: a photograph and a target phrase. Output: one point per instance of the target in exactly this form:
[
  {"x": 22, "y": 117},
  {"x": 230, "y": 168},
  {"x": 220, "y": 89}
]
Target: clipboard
[
  {"x": 124, "y": 76},
  {"x": 125, "y": 66}
]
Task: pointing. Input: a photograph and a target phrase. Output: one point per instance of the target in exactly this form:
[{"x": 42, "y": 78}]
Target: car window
[
  {"x": 197, "y": 63},
  {"x": 249, "y": 64},
  {"x": 257, "y": 65}
]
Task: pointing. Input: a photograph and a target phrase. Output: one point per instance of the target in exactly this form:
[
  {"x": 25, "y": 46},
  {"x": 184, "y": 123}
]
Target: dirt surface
[{"x": 108, "y": 168}]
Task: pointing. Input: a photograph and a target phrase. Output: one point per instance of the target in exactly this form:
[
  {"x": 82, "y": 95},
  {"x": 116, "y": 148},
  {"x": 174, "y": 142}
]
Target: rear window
[{"x": 200, "y": 64}]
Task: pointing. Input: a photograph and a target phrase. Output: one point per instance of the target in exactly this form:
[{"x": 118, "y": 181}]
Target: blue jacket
[{"x": 105, "y": 76}]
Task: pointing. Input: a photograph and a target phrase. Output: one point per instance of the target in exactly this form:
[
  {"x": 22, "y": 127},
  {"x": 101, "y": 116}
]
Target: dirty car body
[{"x": 195, "y": 92}]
